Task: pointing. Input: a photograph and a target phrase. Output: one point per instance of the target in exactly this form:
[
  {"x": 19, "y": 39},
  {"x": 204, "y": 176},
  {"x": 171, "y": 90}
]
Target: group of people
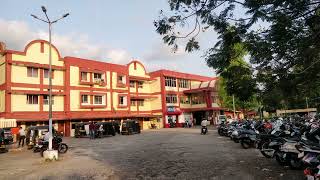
[
  {"x": 22, "y": 136},
  {"x": 93, "y": 129}
]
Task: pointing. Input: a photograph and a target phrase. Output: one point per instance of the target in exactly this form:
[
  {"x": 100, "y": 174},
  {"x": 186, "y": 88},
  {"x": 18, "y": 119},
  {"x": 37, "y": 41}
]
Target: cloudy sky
[{"x": 105, "y": 30}]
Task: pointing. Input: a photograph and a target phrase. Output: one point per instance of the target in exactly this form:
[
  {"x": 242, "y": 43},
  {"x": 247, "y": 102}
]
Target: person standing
[
  {"x": 22, "y": 136},
  {"x": 92, "y": 130}
]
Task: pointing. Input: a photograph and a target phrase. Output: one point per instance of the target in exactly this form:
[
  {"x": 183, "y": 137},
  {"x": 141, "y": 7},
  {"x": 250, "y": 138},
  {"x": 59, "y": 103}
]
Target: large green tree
[{"x": 280, "y": 36}]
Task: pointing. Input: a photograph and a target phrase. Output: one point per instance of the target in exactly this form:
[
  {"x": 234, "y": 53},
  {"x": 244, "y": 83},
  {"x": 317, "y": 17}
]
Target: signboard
[{"x": 171, "y": 109}]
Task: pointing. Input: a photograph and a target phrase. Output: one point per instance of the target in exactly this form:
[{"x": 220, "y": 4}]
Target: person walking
[
  {"x": 22, "y": 136},
  {"x": 92, "y": 130}
]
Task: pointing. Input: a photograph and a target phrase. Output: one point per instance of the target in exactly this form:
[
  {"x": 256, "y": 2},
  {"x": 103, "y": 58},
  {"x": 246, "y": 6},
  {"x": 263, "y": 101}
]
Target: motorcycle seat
[
  {"x": 267, "y": 136},
  {"x": 311, "y": 144},
  {"x": 292, "y": 139},
  {"x": 315, "y": 148}
]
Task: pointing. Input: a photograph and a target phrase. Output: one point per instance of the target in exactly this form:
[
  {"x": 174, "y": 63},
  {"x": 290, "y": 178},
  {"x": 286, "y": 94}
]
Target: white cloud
[
  {"x": 16, "y": 34},
  {"x": 161, "y": 52},
  {"x": 119, "y": 56}
]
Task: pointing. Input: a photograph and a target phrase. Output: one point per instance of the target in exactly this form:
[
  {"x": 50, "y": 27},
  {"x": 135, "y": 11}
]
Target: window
[
  {"x": 215, "y": 98},
  {"x": 170, "y": 81},
  {"x": 171, "y": 98},
  {"x": 123, "y": 101},
  {"x": 140, "y": 84},
  {"x": 84, "y": 76},
  {"x": 32, "y": 99},
  {"x": 46, "y": 100},
  {"x": 46, "y": 73},
  {"x": 32, "y": 72},
  {"x": 140, "y": 102},
  {"x": 184, "y": 99},
  {"x": 97, "y": 76},
  {"x": 184, "y": 83},
  {"x": 84, "y": 99},
  {"x": 121, "y": 79},
  {"x": 197, "y": 99},
  {"x": 97, "y": 99},
  {"x": 132, "y": 84},
  {"x": 132, "y": 103}
]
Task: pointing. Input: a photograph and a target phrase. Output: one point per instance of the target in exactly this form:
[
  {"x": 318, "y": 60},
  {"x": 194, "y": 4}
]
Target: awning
[
  {"x": 174, "y": 113},
  {"x": 203, "y": 86}
]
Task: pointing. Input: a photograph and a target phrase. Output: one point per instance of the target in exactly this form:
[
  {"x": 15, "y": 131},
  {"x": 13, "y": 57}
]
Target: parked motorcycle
[
  {"x": 57, "y": 144},
  {"x": 222, "y": 129},
  {"x": 248, "y": 139}
]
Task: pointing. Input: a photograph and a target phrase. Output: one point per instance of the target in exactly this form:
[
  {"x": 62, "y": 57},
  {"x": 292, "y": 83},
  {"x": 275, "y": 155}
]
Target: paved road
[
  {"x": 154, "y": 154},
  {"x": 182, "y": 154}
]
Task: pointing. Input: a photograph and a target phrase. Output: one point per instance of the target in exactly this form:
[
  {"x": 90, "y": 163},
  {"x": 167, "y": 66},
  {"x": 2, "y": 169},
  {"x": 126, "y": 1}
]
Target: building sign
[{"x": 171, "y": 109}]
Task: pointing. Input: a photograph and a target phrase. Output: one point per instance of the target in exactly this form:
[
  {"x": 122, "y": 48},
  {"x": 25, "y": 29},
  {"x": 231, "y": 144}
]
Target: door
[
  {"x": 67, "y": 128},
  {"x": 61, "y": 126},
  {"x": 198, "y": 116},
  {"x": 141, "y": 123}
]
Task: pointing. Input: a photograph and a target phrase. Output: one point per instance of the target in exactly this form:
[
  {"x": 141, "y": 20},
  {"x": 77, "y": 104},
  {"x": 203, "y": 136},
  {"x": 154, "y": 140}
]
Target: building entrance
[{"x": 198, "y": 116}]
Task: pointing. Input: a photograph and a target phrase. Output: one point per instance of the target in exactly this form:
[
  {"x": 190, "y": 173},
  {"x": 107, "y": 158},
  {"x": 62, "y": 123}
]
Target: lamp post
[
  {"x": 49, "y": 22},
  {"x": 234, "y": 108}
]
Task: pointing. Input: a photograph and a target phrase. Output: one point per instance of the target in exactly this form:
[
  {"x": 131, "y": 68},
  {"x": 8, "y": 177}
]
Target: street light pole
[
  {"x": 50, "y": 90},
  {"x": 234, "y": 107},
  {"x": 50, "y": 67}
]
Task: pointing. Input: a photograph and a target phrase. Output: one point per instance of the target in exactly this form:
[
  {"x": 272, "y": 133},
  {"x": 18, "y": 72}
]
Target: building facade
[{"x": 89, "y": 90}]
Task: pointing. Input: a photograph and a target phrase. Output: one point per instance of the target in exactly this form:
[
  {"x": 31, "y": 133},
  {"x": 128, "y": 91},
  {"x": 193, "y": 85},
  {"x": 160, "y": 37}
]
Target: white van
[{"x": 222, "y": 118}]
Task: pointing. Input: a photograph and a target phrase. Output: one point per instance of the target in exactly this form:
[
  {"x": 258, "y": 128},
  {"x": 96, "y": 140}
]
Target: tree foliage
[
  {"x": 281, "y": 38},
  {"x": 226, "y": 100}
]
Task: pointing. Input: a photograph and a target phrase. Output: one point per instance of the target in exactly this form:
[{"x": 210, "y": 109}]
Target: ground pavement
[{"x": 155, "y": 154}]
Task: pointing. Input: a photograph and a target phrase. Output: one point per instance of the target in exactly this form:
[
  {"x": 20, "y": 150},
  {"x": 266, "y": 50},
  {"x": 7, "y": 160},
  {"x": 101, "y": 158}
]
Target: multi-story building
[
  {"x": 86, "y": 90},
  {"x": 187, "y": 97}
]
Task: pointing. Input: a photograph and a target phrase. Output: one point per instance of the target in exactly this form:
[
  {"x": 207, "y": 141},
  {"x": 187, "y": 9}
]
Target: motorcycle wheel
[
  {"x": 265, "y": 146},
  {"x": 63, "y": 148},
  {"x": 245, "y": 144},
  {"x": 220, "y": 133},
  {"x": 295, "y": 163},
  {"x": 36, "y": 150},
  {"x": 41, "y": 151},
  {"x": 281, "y": 161}
]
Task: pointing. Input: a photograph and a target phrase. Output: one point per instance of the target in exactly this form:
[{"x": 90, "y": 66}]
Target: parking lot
[{"x": 153, "y": 154}]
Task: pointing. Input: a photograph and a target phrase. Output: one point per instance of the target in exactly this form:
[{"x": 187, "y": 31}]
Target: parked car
[
  {"x": 130, "y": 127},
  {"x": 8, "y": 137},
  {"x": 80, "y": 129},
  {"x": 3, "y": 145},
  {"x": 108, "y": 128}
]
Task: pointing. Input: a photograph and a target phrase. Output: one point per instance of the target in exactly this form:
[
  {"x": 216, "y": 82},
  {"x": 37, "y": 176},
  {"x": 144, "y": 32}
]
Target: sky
[{"x": 105, "y": 30}]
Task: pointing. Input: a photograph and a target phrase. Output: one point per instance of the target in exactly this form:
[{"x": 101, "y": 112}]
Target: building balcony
[
  {"x": 135, "y": 96},
  {"x": 140, "y": 78}
]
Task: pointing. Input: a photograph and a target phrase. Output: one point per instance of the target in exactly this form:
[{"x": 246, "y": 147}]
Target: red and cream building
[{"x": 85, "y": 90}]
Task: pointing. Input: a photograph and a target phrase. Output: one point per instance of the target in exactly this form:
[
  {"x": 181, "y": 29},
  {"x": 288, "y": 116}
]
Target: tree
[
  {"x": 281, "y": 38},
  {"x": 226, "y": 100}
]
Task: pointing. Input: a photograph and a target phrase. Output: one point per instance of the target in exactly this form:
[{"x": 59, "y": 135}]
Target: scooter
[{"x": 204, "y": 130}]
